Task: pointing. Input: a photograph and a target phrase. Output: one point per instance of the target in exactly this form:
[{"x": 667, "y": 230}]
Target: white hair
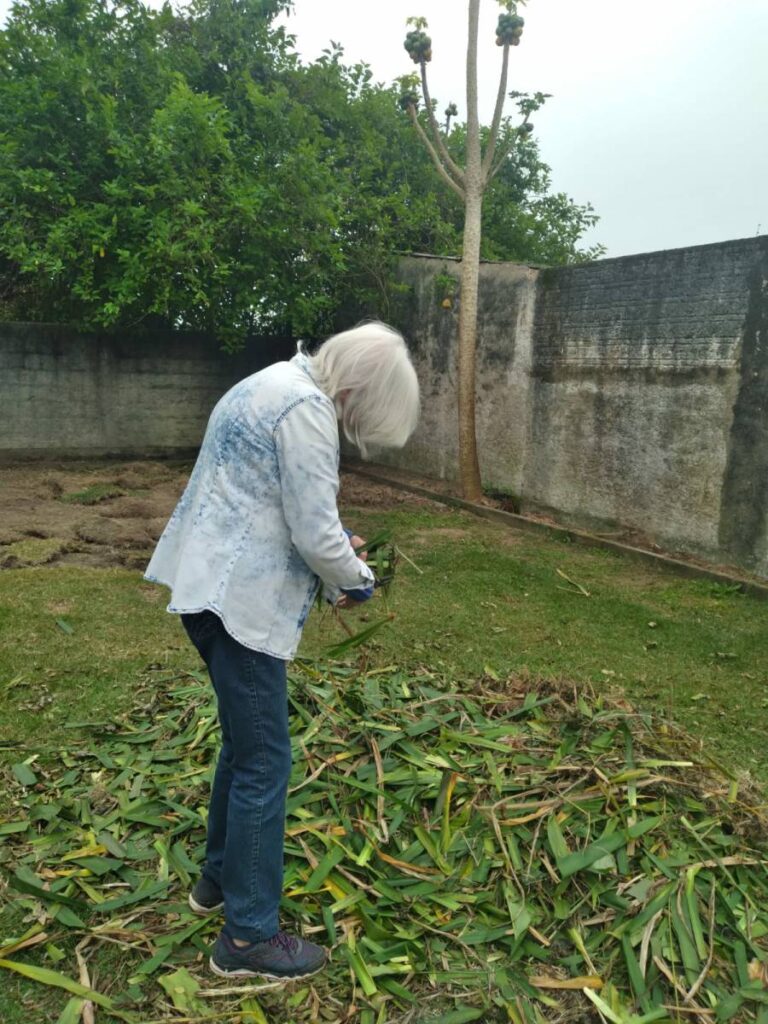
[{"x": 369, "y": 375}]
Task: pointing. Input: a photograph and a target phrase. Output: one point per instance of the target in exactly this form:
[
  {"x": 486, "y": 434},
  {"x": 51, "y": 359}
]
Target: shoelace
[{"x": 286, "y": 942}]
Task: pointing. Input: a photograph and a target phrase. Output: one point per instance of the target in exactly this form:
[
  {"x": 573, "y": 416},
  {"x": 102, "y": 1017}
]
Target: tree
[
  {"x": 469, "y": 183},
  {"x": 156, "y": 168},
  {"x": 183, "y": 168}
]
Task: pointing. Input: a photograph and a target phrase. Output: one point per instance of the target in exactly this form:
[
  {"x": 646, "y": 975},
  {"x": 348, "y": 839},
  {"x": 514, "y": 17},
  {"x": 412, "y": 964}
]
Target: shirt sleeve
[{"x": 307, "y": 445}]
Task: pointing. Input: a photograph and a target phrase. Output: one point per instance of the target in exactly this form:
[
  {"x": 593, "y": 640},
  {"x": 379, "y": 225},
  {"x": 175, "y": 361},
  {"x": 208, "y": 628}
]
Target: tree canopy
[{"x": 184, "y": 167}]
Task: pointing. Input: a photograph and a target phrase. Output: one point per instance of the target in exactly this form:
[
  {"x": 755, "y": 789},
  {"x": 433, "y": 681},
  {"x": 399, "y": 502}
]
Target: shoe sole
[
  {"x": 198, "y": 908},
  {"x": 244, "y": 972}
]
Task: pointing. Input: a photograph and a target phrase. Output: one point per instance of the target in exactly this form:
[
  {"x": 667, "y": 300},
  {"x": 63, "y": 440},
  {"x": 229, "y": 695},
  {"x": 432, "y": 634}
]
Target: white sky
[{"x": 659, "y": 113}]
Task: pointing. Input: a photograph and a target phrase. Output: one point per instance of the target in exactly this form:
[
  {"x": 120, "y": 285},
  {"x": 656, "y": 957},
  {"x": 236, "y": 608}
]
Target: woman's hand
[
  {"x": 358, "y": 542},
  {"x": 355, "y": 542}
]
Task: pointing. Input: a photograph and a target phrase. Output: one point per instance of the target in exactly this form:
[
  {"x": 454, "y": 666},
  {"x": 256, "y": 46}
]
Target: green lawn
[
  {"x": 473, "y": 598},
  {"x": 487, "y": 599}
]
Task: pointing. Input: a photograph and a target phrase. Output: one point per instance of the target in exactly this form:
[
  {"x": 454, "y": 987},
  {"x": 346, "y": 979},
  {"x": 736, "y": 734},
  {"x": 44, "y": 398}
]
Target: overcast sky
[{"x": 659, "y": 113}]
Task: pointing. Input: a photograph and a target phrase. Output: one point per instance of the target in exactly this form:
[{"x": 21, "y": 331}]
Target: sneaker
[
  {"x": 282, "y": 956},
  {"x": 206, "y": 897}
]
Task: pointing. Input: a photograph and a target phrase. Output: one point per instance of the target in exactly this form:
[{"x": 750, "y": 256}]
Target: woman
[{"x": 255, "y": 533}]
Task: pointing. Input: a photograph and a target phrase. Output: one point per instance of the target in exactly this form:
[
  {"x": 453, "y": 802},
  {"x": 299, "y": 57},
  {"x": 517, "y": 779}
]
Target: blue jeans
[{"x": 246, "y": 817}]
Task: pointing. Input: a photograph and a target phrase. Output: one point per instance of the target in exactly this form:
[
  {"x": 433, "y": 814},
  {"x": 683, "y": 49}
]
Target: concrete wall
[
  {"x": 627, "y": 393},
  {"x": 63, "y": 393}
]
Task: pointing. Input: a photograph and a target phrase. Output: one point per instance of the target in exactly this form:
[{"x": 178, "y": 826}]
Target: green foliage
[
  {"x": 449, "y": 837},
  {"x": 179, "y": 183},
  {"x": 93, "y": 494},
  {"x": 446, "y": 286},
  {"x": 409, "y": 92},
  {"x": 528, "y": 103},
  {"x": 181, "y": 167}
]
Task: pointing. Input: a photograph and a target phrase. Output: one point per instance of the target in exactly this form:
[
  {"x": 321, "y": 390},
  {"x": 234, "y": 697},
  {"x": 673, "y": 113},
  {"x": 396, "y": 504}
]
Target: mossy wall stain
[
  {"x": 744, "y": 500},
  {"x": 628, "y": 393},
  {"x": 616, "y": 394}
]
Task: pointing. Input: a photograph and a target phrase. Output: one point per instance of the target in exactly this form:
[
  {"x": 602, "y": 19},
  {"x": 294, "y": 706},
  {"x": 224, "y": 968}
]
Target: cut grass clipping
[
  {"x": 93, "y": 494},
  {"x": 504, "y": 852},
  {"x": 31, "y": 551}
]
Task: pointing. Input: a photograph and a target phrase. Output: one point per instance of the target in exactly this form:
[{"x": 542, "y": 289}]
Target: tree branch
[
  {"x": 445, "y": 156},
  {"x": 441, "y": 170},
  {"x": 500, "y": 162},
  {"x": 473, "y": 173},
  {"x": 506, "y": 151},
  {"x": 502, "y": 95}
]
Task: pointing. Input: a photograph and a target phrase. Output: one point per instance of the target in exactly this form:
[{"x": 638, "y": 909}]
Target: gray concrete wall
[
  {"x": 63, "y": 393},
  {"x": 623, "y": 394},
  {"x": 629, "y": 393}
]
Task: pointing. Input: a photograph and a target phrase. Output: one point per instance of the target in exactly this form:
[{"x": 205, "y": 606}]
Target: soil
[
  {"x": 111, "y": 513},
  {"x": 94, "y": 514}
]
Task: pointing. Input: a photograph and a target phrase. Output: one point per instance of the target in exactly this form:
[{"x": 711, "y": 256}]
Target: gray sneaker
[
  {"x": 206, "y": 897},
  {"x": 282, "y": 956}
]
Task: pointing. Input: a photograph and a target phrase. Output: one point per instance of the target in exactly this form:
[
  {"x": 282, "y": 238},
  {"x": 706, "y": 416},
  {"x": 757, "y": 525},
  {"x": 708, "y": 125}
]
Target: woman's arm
[{"x": 306, "y": 440}]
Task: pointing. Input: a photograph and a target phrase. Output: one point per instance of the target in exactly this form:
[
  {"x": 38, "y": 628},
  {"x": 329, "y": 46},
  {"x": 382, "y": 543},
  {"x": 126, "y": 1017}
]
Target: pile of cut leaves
[{"x": 501, "y": 852}]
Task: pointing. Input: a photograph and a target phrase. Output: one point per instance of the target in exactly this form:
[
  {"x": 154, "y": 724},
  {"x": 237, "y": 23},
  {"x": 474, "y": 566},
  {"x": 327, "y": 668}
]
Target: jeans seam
[{"x": 256, "y": 831}]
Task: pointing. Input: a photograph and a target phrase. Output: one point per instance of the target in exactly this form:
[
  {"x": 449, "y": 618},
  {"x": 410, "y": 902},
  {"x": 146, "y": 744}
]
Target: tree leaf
[
  {"x": 24, "y": 774},
  {"x": 45, "y": 976},
  {"x": 340, "y": 649},
  {"x": 182, "y": 989}
]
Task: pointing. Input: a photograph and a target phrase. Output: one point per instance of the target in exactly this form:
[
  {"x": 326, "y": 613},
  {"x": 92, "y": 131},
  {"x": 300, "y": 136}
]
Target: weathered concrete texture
[
  {"x": 635, "y": 373},
  {"x": 744, "y": 499},
  {"x": 504, "y": 357},
  {"x": 64, "y": 393},
  {"x": 627, "y": 393}
]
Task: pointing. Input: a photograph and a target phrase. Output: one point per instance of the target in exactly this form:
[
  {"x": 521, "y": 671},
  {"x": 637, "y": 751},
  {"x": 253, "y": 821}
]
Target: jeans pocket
[{"x": 200, "y": 626}]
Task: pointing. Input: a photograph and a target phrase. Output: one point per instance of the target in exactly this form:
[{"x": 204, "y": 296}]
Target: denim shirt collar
[{"x": 303, "y": 362}]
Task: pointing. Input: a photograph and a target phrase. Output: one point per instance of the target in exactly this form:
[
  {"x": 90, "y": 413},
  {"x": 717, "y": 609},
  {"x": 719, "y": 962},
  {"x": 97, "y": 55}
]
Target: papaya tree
[{"x": 485, "y": 152}]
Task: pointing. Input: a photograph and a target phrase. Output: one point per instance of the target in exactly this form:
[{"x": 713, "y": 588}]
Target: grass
[
  {"x": 93, "y": 494},
  {"x": 493, "y": 598},
  {"x": 486, "y": 599},
  {"x": 32, "y": 551},
  {"x": 77, "y": 644},
  {"x": 469, "y": 851}
]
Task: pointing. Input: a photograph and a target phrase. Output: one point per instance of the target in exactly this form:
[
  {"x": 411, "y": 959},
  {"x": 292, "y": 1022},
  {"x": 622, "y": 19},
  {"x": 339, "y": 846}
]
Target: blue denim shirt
[{"x": 257, "y": 527}]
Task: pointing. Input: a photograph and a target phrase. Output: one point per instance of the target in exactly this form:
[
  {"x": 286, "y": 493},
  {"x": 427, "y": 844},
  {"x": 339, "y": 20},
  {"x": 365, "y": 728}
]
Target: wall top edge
[
  {"x": 457, "y": 259},
  {"x": 753, "y": 240},
  {"x": 134, "y": 332}
]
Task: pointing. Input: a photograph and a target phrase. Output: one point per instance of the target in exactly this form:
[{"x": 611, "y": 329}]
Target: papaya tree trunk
[
  {"x": 469, "y": 467},
  {"x": 469, "y": 183}
]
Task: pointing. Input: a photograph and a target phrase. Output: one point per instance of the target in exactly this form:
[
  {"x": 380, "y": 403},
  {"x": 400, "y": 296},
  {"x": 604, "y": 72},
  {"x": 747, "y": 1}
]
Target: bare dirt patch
[
  {"x": 112, "y": 513},
  {"x": 117, "y": 533},
  {"x": 358, "y": 492},
  {"x": 134, "y": 508},
  {"x": 89, "y": 514}
]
